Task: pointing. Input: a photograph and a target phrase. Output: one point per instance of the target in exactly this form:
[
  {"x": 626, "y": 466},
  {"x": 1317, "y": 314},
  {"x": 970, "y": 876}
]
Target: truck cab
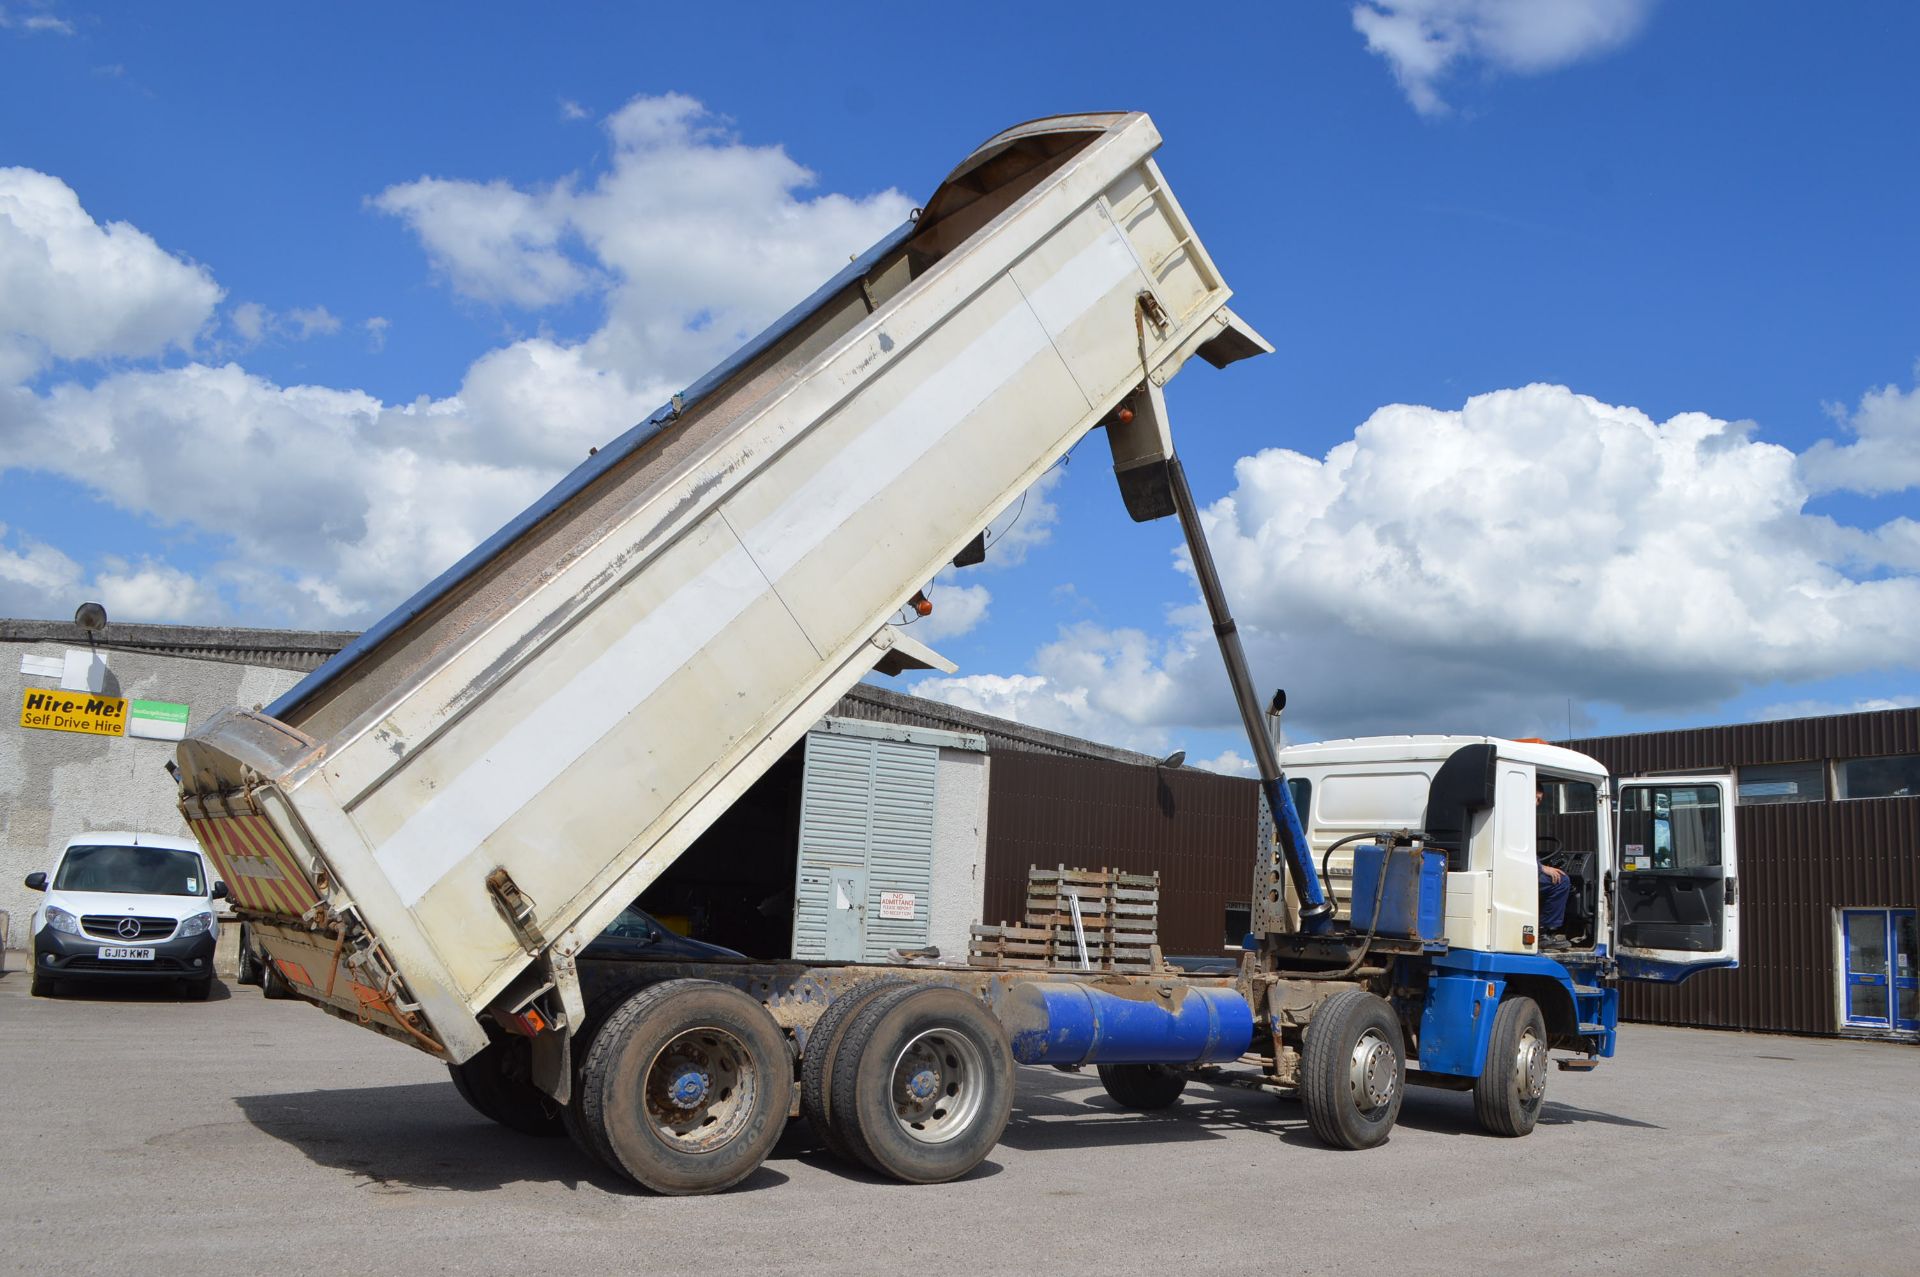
[{"x": 1651, "y": 861}]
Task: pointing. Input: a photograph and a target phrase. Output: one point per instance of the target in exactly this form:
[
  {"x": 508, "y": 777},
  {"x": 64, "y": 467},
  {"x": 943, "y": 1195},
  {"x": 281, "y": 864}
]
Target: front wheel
[
  {"x": 1354, "y": 1072},
  {"x": 42, "y": 985},
  {"x": 1511, "y": 1088}
]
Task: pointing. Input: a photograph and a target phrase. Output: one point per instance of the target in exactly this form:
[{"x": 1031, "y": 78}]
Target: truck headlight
[
  {"x": 198, "y": 925},
  {"x": 60, "y": 920}
]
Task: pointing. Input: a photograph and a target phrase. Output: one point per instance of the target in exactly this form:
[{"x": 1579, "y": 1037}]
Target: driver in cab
[{"x": 1555, "y": 887}]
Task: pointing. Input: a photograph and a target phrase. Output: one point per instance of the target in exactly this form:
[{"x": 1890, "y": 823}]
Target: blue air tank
[{"x": 1069, "y": 1023}]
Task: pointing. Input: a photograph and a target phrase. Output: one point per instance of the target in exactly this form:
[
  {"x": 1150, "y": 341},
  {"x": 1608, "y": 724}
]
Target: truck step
[
  {"x": 1587, "y": 990},
  {"x": 1578, "y": 1064},
  {"x": 1592, "y": 1030}
]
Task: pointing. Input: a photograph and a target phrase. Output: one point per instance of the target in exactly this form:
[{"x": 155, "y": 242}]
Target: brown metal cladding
[
  {"x": 1197, "y": 829},
  {"x": 1798, "y": 863}
]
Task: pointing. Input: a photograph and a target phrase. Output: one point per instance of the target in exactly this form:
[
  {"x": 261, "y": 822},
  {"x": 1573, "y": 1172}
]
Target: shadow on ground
[{"x": 423, "y": 1137}]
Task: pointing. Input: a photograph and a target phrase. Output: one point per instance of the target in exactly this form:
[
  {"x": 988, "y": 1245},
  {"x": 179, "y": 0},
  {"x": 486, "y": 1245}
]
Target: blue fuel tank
[
  {"x": 1411, "y": 890},
  {"x": 1172, "y": 1023}
]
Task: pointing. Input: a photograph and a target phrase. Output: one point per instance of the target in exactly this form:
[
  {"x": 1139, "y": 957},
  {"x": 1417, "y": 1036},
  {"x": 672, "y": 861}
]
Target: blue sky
[{"x": 305, "y": 376}]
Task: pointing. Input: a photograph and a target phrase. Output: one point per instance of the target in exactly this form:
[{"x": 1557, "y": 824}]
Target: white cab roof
[{"x": 1407, "y": 749}]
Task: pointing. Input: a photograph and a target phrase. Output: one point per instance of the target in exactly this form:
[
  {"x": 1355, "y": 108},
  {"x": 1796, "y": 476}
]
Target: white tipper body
[{"x": 628, "y": 693}]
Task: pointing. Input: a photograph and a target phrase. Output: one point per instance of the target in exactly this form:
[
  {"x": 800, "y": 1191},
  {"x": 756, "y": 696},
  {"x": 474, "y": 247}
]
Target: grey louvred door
[{"x": 866, "y": 847}]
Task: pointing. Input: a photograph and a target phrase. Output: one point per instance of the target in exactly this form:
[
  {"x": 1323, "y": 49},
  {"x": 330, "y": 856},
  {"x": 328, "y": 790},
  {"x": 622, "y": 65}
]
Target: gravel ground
[{"x": 158, "y": 1136}]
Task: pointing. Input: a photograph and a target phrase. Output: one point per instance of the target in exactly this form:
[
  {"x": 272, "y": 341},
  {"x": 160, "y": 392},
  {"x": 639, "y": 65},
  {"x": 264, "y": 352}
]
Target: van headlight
[
  {"x": 198, "y": 925},
  {"x": 60, "y": 920}
]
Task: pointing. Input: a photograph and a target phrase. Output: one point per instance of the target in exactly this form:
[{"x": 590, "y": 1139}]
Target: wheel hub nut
[{"x": 688, "y": 1090}]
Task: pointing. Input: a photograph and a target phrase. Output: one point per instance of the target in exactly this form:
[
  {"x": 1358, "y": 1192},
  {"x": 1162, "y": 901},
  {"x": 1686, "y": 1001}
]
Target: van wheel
[
  {"x": 496, "y": 1084},
  {"x": 923, "y": 1084},
  {"x": 816, "y": 1064},
  {"x": 687, "y": 1086},
  {"x": 1354, "y": 1073},
  {"x": 1511, "y": 1088},
  {"x": 1145, "y": 1087},
  {"x": 42, "y": 986}
]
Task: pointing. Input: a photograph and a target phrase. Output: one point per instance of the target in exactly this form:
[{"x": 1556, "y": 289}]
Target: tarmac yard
[{"x": 150, "y": 1135}]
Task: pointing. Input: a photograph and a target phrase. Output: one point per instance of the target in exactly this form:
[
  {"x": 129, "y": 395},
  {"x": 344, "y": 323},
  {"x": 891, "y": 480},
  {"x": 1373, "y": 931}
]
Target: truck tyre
[
  {"x": 496, "y": 1084},
  {"x": 923, "y": 1084},
  {"x": 273, "y": 985},
  {"x": 603, "y": 1004},
  {"x": 816, "y": 1063},
  {"x": 1145, "y": 1087},
  {"x": 687, "y": 1086},
  {"x": 1511, "y": 1088},
  {"x": 1355, "y": 1070},
  {"x": 247, "y": 968}
]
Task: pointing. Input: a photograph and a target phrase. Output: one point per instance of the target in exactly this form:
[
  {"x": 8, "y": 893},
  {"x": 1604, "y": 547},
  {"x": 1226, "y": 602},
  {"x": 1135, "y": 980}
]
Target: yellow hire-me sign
[{"x": 64, "y": 711}]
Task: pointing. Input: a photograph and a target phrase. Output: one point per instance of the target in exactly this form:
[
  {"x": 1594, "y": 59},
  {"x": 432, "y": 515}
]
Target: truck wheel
[
  {"x": 1142, "y": 1086},
  {"x": 1511, "y": 1088},
  {"x": 1354, "y": 1071},
  {"x": 816, "y": 1064},
  {"x": 247, "y": 968},
  {"x": 496, "y": 1084},
  {"x": 687, "y": 1085},
  {"x": 273, "y": 985},
  {"x": 923, "y": 1084},
  {"x": 603, "y": 1004}
]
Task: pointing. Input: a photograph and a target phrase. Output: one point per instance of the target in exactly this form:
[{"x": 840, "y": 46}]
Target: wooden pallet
[{"x": 1119, "y": 918}]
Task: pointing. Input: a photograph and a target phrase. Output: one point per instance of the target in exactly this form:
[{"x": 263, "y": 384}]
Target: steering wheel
[{"x": 1542, "y": 853}]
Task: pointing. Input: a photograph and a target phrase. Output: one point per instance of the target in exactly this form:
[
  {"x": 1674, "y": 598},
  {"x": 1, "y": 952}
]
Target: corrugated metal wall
[
  {"x": 865, "y": 804},
  {"x": 1798, "y": 863},
  {"x": 1197, "y": 829}
]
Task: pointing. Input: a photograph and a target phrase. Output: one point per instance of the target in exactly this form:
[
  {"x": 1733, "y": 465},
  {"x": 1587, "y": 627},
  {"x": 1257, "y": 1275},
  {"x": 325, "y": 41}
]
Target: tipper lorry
[{"x": 426, "y": 834}]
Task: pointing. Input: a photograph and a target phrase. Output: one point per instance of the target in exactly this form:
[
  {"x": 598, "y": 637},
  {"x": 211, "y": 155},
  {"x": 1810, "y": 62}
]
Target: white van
[{"x": 126, "y": 906}]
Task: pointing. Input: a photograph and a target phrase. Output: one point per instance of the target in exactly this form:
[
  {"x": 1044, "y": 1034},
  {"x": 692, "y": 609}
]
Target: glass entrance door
[{"x": 1882, "y": 976}]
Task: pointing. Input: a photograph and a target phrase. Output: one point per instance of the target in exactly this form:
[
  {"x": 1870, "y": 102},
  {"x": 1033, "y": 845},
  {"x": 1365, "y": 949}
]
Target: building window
[
  {"x": 1783, "y": 783},
  {"x": 1239, "y": 922},
  {"x": 1897, "y": 776}
]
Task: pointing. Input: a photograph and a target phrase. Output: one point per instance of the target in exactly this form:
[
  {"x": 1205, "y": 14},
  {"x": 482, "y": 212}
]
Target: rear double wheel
[
  {"x": 1353, "y": 1073},
  {"x": 829, "y": 1032},
  {"x": 686, "y": 1087},
  {"x": 498, "y": 1084},
  {"x": 922, "y": 1084}
]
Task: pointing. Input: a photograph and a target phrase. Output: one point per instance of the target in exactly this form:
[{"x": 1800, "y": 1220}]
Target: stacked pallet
[{"x": 1119, "y": 924}]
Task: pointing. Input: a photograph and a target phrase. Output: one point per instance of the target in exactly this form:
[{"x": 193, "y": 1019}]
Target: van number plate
[{"x": 126, "y": 955}]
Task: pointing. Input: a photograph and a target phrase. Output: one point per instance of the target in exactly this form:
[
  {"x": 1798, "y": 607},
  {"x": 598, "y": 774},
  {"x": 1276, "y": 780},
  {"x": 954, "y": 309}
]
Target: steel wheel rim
[
  {"x": 937, "y": 1086},
  {"x": 1372, "y": 1071},
  {"x": 1530, "y": 1068},
  {"x": 698, "y": 1089}
]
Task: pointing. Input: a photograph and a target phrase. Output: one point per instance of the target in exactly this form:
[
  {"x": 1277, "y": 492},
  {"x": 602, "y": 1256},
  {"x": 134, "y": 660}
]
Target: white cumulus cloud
[
  {"x": 1426, "y": 41},
  {"x": 1472, "y": 569},
  {"x": 330, "y": 505},
  {"x": 73, "y": 289},
  {"x": 1884, "y": 453}
]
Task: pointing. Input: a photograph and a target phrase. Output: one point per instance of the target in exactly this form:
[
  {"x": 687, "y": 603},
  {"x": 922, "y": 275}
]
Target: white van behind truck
[{"x": 126, "y": 906}]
